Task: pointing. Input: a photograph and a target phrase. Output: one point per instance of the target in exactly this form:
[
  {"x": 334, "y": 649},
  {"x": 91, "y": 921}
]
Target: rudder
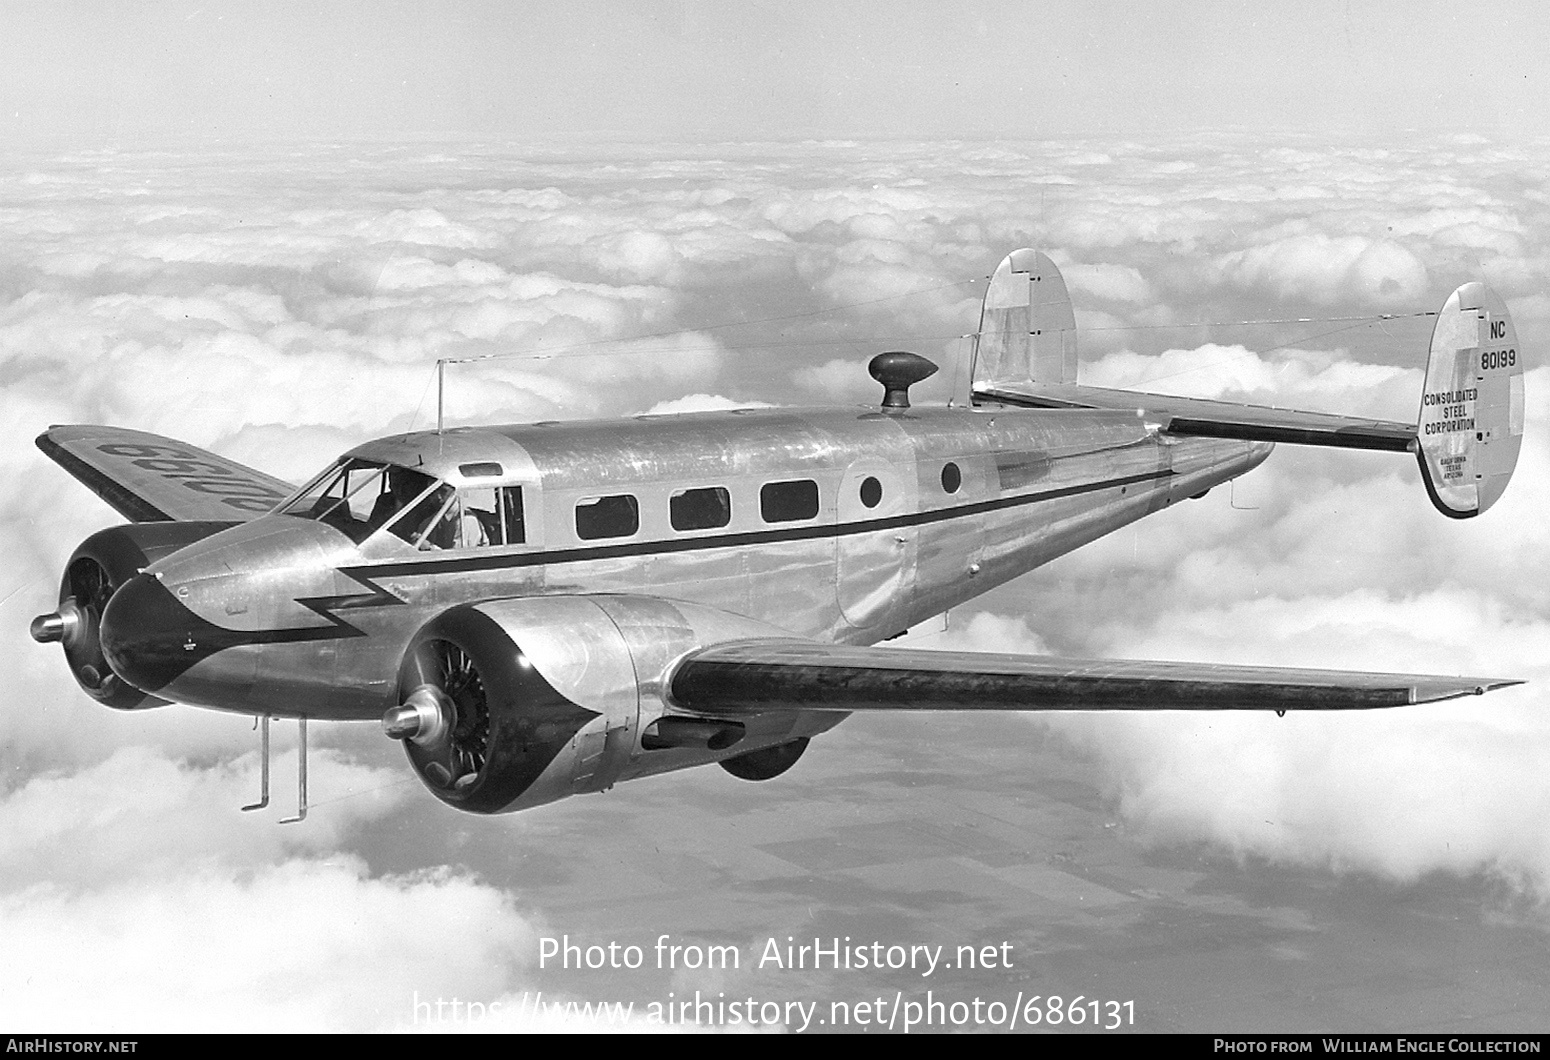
[
  {"x": 1027, "y": 327},
  {"x": 1471, "y": 422}
]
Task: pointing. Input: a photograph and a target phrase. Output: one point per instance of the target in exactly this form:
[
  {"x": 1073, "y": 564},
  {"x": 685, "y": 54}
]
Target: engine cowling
[
  {"x": 98, "y": 567},
  {"x": 510, "y": 704}
]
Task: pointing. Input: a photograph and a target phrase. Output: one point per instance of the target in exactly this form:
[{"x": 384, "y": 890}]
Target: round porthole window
[
  {"x": 952, "y": 478},
  {"x": 871, "y": 492}
]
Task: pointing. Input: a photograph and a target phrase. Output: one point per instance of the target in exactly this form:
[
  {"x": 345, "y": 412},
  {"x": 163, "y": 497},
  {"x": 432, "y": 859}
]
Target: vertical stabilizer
[
  {"x": 1027, "y": 329},
  {"x": 1471, "y": 424}
]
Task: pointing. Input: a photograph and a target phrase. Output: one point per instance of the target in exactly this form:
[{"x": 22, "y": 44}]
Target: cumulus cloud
[
  {"x": 135, "y": 898},
  {"x": 1444, "y": 790},
  {"x": 975, "y": 633},
  {"x": 1329, "y": 269},
  {"x": 1110, "y": 283},
  {"x": 304, "y": 945},
  {"x": 702, "y": 403},
  {"x": 1448, "y": 787},
  {"x": 1291, "y": 378},
  {"x": 78, "y": 827}
]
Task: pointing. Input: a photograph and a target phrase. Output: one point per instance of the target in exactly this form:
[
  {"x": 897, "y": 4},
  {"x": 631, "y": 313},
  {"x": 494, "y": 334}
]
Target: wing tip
[{"x": 1461, "y": 687}]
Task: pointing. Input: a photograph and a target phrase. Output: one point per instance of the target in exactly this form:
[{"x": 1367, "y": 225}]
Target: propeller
[{"x": 446, "y": 719}]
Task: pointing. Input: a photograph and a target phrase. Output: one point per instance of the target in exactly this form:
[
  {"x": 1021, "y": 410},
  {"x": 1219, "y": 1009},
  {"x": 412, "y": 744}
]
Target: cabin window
[
  {"x": 871, "y": 492},
  {"x": 787, "y": 502},
  {"x": 952, "y": 478},
  {"x": 600, "y": 517},
  {"x": 700, "y": 509}
]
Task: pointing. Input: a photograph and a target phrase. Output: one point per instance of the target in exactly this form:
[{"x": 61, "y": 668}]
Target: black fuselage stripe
[{"x": 461, "y": 564}]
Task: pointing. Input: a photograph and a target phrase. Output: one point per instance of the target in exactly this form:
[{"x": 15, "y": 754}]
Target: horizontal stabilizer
[
  {"x": 147, "y": 478},
  {"x": 1217, "y": 419},
  {"x": 753, "y": 676}
]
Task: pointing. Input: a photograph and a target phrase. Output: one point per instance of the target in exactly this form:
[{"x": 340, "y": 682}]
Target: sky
[
  {"x": 257, "y": 227},
  {"x": 683, "y": 70}
]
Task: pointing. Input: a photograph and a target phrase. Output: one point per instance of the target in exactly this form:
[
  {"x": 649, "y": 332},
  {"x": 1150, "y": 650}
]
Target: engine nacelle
[
  {"x": 510, "y": 704},
  {"x": 99, "y": 565}
]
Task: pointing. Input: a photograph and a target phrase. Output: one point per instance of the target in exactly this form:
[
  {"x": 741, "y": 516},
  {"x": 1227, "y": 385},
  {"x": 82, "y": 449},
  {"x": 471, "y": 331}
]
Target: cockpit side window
[
  {"x": 480, "y": 517},
  {"x": 404, "y": 490},
  {"x": 480, "y": 523},
  {"x": 511, "y": 515},
  {"x": 430, "y": 521}
]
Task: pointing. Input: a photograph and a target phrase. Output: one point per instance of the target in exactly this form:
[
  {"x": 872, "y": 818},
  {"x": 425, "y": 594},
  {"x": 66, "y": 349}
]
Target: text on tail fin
[{"x": 1471, "y": 422}]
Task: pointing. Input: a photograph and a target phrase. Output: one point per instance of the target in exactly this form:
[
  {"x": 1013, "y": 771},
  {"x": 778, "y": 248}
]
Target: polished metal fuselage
[{"x": 919, "y": 511}]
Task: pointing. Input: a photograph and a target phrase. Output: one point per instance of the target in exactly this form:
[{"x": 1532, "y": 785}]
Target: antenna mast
[{"x": 441, "y": 382}]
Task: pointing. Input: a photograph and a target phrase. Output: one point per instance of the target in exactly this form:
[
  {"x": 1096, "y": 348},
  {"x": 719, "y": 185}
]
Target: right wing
[
  {"x": 754, "y": 676},
  {"x": 148, "y": 478}
]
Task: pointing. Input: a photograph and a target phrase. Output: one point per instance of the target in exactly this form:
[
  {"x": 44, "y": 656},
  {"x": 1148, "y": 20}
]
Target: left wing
[
  {"x": 753, "y": 676},
  {"x": 147, "y": 478}
]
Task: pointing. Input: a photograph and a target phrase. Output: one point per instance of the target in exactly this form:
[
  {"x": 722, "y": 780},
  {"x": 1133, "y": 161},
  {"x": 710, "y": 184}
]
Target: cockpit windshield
[{"x": 359, "y": 497}]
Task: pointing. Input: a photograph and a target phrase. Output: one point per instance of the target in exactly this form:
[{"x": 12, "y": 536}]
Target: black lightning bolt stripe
[{"x": 326, "y": 606}]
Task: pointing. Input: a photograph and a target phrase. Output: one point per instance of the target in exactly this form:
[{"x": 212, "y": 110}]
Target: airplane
[{"x": 544, "y": 609}]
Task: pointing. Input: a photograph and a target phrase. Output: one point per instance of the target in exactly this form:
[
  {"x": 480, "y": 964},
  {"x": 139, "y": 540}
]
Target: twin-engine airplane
[{"x": 539, "y": 610}]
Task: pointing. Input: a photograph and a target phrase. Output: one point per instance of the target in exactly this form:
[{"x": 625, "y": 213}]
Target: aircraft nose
[{"x": 148, "y": 637}]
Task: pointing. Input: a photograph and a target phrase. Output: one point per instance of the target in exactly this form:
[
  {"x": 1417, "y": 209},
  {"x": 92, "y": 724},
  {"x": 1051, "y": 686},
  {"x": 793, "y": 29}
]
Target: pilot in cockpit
[
  {"x": 444, "y": 533},
  {"x": 402, "y": 486}
]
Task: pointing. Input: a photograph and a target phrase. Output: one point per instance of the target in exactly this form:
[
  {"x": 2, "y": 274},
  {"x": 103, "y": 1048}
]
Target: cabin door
[{"x": 876, "y": 555}]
